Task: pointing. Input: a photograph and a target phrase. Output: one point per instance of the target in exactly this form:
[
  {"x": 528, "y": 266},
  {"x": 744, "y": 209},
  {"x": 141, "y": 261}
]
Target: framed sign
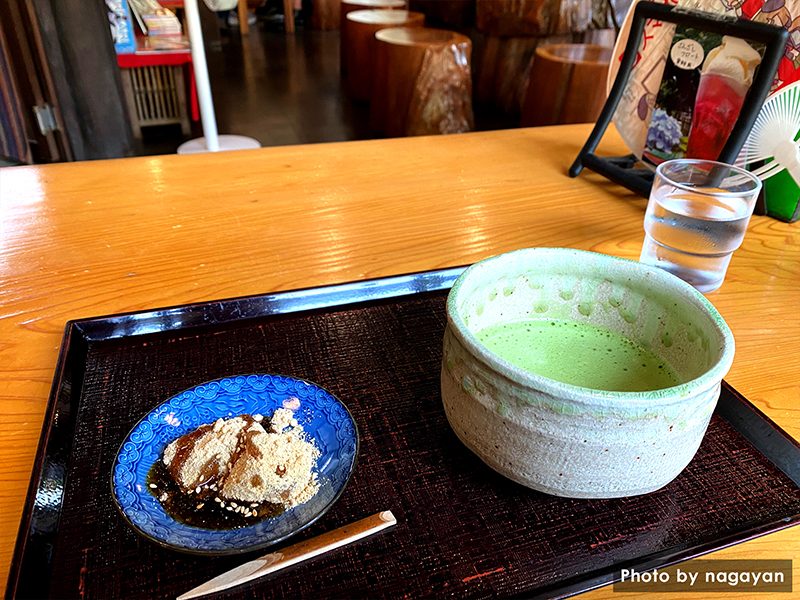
[{"x": 724, "y": 64}]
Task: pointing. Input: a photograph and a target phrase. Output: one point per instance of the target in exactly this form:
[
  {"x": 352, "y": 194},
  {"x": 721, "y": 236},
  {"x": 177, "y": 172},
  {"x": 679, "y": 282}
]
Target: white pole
[{"x": 201, "y": 76}]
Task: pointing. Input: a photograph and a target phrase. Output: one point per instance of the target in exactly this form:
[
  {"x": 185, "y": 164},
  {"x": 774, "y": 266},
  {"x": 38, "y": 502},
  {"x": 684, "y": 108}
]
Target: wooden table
[{"x": 87, "y": 239}]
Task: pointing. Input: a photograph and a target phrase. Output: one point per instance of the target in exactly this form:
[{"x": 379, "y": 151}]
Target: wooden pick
[{"x": 294, "y": 554}]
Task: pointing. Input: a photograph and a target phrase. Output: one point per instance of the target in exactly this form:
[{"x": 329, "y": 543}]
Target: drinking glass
[{"x": 696, "y": 217}]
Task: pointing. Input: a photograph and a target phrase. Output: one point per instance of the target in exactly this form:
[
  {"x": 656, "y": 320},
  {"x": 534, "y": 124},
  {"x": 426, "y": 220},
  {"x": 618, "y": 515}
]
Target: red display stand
[{"x": 154, "y": 58}]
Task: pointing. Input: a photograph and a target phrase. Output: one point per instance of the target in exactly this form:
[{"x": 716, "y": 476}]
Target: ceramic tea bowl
[{"x": 565, "y": 439}]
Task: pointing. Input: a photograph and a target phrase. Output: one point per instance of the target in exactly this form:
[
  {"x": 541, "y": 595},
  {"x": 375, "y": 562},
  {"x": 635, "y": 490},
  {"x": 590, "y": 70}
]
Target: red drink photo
[
  {"x": 726, "y": 76},
  {"x": 719, "y": 100}
]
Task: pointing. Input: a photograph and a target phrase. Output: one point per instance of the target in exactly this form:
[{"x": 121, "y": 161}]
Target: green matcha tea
[{"x": 579, "y": 354}]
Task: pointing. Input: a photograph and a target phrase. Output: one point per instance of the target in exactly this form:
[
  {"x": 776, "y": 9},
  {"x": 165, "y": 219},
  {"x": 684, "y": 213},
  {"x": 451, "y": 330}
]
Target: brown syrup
[{"x": 202, "y": 510}]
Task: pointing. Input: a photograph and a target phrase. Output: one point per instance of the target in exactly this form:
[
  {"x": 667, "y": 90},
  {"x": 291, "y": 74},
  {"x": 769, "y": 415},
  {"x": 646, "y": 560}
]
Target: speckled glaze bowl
[{"x": 563, "y": 439}]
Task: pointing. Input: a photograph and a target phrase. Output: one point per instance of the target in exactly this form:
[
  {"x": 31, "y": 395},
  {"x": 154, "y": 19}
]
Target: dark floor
[{"x": 283, "y": 89}]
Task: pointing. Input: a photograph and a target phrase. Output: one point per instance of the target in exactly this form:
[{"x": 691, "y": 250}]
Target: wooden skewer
[{"x": 294, "y": 554}]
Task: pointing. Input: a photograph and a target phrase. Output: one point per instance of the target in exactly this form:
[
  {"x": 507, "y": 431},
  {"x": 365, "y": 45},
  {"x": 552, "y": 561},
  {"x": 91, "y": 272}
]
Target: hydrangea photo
[{"x": 664, "y": 133}]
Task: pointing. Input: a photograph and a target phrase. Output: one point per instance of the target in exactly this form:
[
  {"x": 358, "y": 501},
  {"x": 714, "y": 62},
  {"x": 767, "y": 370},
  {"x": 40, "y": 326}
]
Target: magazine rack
[{"x": 622, "y": 169}]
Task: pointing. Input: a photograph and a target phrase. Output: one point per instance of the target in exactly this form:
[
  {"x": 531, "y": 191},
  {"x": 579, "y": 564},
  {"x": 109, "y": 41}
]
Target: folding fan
[{"x": 774, "y": 136}]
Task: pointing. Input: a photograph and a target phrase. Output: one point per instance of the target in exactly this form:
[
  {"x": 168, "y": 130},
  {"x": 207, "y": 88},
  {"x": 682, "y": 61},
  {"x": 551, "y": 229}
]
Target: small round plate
[{"x": 323, "y": 417}]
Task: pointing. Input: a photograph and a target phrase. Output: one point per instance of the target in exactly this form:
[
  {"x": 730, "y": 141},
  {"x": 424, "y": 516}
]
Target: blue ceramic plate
[{"x": 323, "y": 417}]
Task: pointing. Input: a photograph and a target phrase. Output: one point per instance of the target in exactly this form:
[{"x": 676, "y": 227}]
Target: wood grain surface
[{"x": 95, "y": 238}]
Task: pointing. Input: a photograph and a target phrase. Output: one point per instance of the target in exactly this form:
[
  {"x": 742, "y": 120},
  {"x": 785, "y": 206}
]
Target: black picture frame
[{"x": 622, "y": 170}]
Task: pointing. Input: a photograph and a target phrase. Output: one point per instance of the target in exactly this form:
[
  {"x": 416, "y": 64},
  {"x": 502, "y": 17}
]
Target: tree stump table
[
  {"x": 362, "y": 25},
  {"x": 325, "y": 14},
  {"x": 422, "y": 82},
  {"x": 348, "y": 6},
  {"x": 567, "y": 85},
  {"x": 507, "y": 34}
]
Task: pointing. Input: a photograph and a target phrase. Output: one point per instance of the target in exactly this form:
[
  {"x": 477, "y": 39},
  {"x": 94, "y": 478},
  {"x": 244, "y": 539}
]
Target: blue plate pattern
[{"x": 324, "y": 418}]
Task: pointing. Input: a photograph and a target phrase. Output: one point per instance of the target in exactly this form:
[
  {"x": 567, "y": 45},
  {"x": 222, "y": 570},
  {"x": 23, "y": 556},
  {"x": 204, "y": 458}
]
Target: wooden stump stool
[
  {"x": 348, "y": 6},
  {"x": 325, "y": 14},
  {"x": 501, "y": 67},
  {"x": 516, "y": 18},
  {"x": 567, "y": 85},
  {"x": 362, "y": 25},
  {"x": 422, "y": 82}
]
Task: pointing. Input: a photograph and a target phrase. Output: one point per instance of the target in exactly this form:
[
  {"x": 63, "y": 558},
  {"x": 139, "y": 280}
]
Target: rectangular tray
[{"x": 463, "y": 530}]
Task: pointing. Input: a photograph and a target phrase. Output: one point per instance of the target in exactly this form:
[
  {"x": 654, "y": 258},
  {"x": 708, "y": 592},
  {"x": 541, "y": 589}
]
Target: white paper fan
[{"x": 774, "y": 134}]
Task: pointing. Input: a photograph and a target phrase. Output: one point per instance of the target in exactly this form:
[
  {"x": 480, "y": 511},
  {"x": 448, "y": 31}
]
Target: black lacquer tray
[{"x": 463, "y": 531}]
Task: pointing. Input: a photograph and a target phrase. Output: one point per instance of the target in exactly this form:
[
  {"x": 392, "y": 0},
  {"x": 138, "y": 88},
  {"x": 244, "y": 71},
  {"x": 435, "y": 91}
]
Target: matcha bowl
[{"x": 563, "y": 438}]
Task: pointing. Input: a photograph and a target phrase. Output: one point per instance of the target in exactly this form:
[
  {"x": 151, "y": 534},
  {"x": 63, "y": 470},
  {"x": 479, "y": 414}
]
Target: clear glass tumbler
[{"x": 696, "y": 217}]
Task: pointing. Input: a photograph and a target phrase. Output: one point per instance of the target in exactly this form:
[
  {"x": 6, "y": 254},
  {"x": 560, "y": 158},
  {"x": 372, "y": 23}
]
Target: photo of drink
[{"x": 725, "y": 78}]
